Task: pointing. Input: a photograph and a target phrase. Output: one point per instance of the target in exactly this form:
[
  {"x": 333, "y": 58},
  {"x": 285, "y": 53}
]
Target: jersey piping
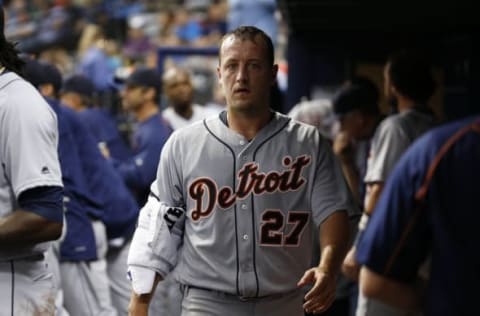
[{"x": 235, "y": 206}]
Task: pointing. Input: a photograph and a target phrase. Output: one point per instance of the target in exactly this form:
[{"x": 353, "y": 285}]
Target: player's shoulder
[
  {"x": 296, "y": 127},
  {"x": 452, "y": 132},
  {"x": 18, "y": 95}
]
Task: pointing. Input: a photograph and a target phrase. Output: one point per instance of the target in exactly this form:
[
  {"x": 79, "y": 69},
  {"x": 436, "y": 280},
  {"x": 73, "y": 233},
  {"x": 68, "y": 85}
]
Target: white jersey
[
  {"x": 250, "y": 206},
  {"x": 176, "y": 121},
  {"x": 28, "y": 148}
]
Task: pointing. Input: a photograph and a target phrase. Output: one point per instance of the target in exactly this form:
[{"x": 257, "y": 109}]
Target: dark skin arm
[
  {"x": 334, "y": 241},
  {"x": 23, "y": 229}
]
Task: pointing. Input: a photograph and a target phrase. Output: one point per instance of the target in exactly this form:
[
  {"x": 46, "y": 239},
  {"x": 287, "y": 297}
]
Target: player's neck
[
  {"x": 248, "y": 125},
  {"x": 146, "y": 111},
  {"x": 185, "y": 111},
  {"x": 405, "y": 104}
]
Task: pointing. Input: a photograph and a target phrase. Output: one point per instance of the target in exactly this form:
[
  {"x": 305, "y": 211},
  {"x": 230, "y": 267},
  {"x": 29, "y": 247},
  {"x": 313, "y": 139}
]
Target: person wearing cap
[
  {"x": 178, "y": 88},
  {"x": 409, "y": 84},
  {"x": 78, "y": 93},
  {"x": 99, "y": 206},
  {"x": 139, "y": 97},
  {"x": 76, "y": 250}
]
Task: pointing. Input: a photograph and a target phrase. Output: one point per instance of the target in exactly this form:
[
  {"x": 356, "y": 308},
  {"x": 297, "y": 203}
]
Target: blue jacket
[
  {"x": 140, "y": 170},
  {"x": 79, "y": 243},
  {"x": 118, "y": 208},
  {"x": 103, "y": 128}
]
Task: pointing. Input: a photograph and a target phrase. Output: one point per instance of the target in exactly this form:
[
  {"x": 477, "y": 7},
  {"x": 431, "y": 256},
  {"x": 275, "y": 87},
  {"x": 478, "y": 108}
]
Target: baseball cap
[
  {"x": 79, "y": 84},
  {"x": 39, "y": 73},
  {"x": 145, "y": 77},
  {"x": 355, "y": 97}
]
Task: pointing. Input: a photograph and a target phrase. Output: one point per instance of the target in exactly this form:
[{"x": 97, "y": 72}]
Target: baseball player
[
  {"x": 181, "y": 111},
  {"x": 408, "y": 85},
  {"x": 139, "y": 97},
  {"x": 31, "y": 191},
  {"x": 240, "y": 193},
  {"x": 429, "y": 207},
  {"x": 80, "y": 251},
  {"x": 78, "y": 93}
]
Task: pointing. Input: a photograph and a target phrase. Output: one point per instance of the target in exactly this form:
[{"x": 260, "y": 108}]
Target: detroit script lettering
[{"x": 249, "y": 181}]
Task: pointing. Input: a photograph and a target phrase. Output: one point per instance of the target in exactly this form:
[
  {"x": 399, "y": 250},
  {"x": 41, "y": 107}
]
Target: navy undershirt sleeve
[{"x": 46, "y": 201}]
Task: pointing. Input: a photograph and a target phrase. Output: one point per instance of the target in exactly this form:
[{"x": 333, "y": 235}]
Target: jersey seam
[{"x": 37, "y": 183}]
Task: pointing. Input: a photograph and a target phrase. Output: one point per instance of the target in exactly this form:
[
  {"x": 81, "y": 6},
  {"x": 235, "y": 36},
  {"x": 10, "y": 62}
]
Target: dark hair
[
  {"x": 250, "y": 33},
  {"x": 411, "y": 74},
  {"x": 9, "y": 55}
]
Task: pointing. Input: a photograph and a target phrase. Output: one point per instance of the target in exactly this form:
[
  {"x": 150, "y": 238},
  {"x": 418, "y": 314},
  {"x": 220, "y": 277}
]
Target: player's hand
[
  {"x": 350, "y": 266},
  {"x": 322, "y": 294},
  {"x": 342, "y": 147}
]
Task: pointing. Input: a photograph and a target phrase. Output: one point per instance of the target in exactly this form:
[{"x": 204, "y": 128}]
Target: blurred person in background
[
  {"x": 140, "y": 98},
  {"x": 78, "y": 93},
  {"x": 178, "y": 89},
  {"x": 408, "y": 86}
]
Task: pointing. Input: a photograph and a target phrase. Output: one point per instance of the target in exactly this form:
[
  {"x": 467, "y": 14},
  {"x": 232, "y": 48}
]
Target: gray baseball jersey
[
  {"x": 392, "y": 137},
  {"x": 28, "y": 148},
  {"x": 249, "y": 205},
  {"x": 28, "y": 158}
]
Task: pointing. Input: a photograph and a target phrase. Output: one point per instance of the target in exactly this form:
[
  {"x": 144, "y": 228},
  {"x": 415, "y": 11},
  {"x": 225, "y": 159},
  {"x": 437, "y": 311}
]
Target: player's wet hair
[
  {"x": 250, "y": 33},
  {"x": 9, "y": 55},
  {"x": 411, "y": 74}
]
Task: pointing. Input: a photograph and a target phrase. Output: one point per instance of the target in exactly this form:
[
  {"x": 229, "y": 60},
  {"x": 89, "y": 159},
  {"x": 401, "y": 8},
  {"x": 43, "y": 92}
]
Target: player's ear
[
  {"x": 219, "y": 75},
  {"x": 274, "y": 73}
]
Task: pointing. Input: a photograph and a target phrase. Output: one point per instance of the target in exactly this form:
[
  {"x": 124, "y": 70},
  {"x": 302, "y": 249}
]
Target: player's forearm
[
  {"x": 404, "y": 296},
  {"x": 374, "y": 191},
  {"x": 139, "y": 303},
  {"x": 334, "y": 241},
  {"x": 352, "y": 177},
  {"x": 23, "y": 229}
]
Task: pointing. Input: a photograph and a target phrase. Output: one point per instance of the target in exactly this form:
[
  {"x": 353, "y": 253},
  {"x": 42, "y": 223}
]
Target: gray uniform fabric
[
  {"x": 198, "y": 302},
  {"x": 28, "y": 156},
  {"x": 85, "y": 284},
  {"x": 250, "y": 206},
  {"x": 393, "y": 136}
]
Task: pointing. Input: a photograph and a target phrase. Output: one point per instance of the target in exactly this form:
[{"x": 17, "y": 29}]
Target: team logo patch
[{"x": 172, "y": 215}]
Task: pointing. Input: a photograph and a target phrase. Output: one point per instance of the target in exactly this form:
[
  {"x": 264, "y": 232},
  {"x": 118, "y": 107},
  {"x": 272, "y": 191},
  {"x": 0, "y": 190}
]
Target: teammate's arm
[
  {"x": 139, "y": 303},
  {"x": 39, "y": 218},
  {"x": 342, "y": 147},
  {"x": 334, "y": 241},
  {"x": 374, "y": 191},
  {"x": 350, "y": 267},
  {"x": 404, "y": 296}
]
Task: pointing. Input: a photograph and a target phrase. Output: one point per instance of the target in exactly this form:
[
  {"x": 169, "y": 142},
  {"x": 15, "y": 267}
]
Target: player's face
[
  {"x": 132, "y": 97},
  {"x": 72, "y": 100},
  {"x": 179, "y": 90},
  {"x": 245, "y": 74},
  {"x": 352, "y": 124}
]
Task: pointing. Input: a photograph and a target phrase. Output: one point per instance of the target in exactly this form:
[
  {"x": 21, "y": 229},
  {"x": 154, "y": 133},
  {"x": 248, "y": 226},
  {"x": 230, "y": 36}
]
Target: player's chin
[{"x": 242, "y": 105}]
